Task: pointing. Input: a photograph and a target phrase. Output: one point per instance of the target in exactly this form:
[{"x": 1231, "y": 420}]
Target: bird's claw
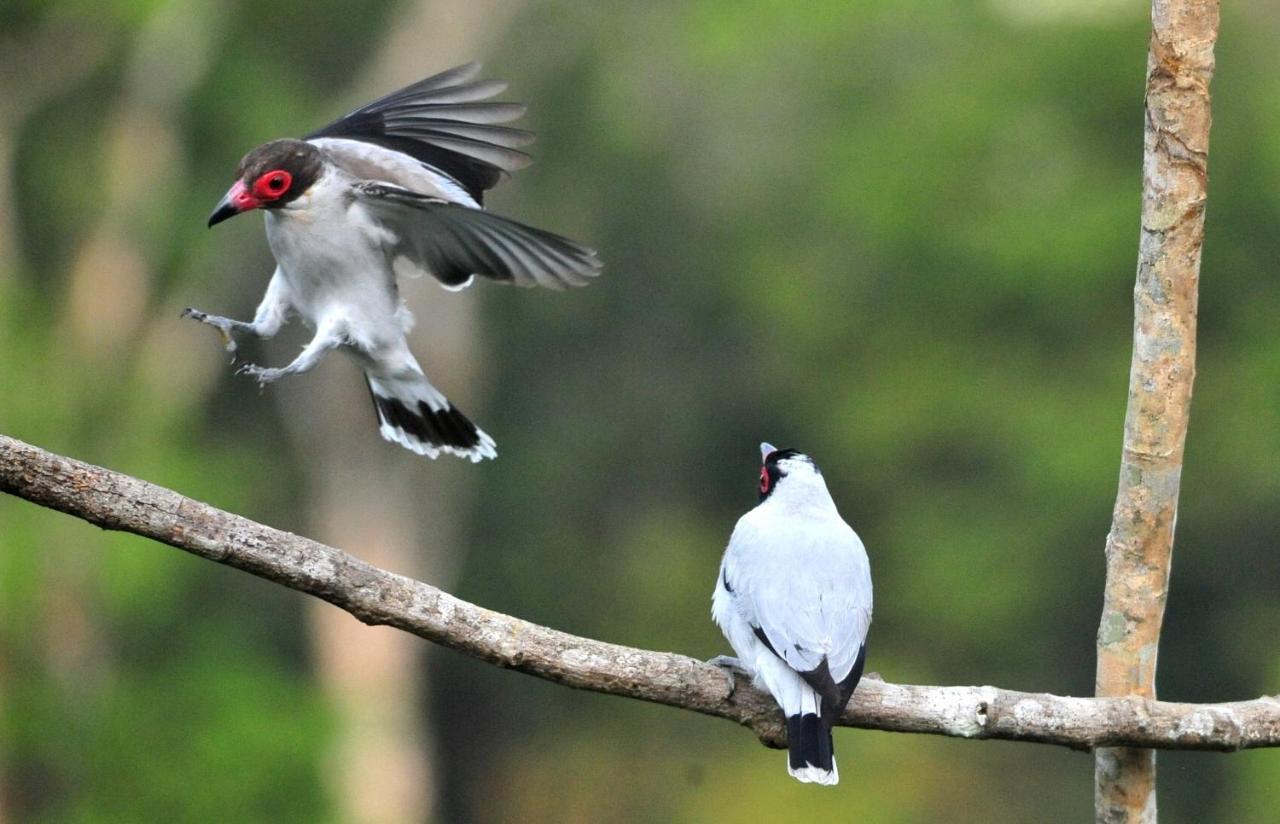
[
  {"x": 262, "y": 374},
  {"x": 728, "y": 664},
  {"x": 223, "y": 325}
]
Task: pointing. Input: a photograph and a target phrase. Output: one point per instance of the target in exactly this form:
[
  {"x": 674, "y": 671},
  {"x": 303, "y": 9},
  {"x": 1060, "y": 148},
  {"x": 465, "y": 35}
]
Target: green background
[{"x": 898, "y": 236}]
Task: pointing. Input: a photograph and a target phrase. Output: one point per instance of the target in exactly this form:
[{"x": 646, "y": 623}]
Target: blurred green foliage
[{"x": 899, "y": 236}]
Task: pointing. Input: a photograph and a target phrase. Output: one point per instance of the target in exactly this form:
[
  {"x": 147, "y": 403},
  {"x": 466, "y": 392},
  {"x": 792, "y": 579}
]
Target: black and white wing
[
  {"x": 454, "y": 242},
  {"x": 808, "y": 599},
  {"x": 444, "y": 122}
]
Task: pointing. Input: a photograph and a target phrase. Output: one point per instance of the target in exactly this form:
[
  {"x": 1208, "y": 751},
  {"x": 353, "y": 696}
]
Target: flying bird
[
  {"x": 794, "y": 600},
  {"x": 394, "y": 188}
]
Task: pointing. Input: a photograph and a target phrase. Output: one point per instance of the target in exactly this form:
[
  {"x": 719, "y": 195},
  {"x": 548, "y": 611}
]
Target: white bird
[
  {"x": 794, "y": 600},
  {"x": 394, "y": 188}
]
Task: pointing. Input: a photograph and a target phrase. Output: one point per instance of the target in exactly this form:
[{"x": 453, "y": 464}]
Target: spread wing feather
[
  {"x": 443, "y": 122},
  {"x": 454, "y": 242}
]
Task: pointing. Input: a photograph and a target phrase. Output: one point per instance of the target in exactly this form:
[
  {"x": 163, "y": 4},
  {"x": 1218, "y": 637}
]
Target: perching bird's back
[{"x": 794, "y": 599}]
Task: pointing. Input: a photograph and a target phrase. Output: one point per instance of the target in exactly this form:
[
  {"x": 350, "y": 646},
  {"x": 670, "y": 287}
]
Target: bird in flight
[
  {"x": 394, "y": 188},
  {"x": 794, "y": 600}
]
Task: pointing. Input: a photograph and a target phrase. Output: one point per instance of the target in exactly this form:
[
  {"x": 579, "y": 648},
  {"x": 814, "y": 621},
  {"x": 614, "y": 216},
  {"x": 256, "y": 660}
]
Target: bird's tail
[
  {"x": 810, "y": 757},
  {"x": 416, "y": 415}
]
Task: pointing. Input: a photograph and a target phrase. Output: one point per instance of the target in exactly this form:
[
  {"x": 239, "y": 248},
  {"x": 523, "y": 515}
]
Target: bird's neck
[{"x": 810, "y": 497}]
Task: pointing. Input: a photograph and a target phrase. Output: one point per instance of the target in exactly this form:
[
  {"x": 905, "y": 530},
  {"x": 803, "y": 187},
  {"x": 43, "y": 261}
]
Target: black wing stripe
[
  {"x": 421, "y": 91},
  {"x": 500, "y": 157},
  {"x": 557, "y": 250},
  {"x": 576, "y": 268},
  {"x": 458, "y": 74},
  {"x": 544, "y": 265},
  {"x": 457, "y": 77},
  {"x": 461, "y": 93},
  {"x": 820, "y": 679},
  {"x": 527, "y": 246},
  {"x": 764, "y": 639},
  {"x": 526, "y": 256},
  {"x": 519, "y": 259},
  {"x": 454, "y": 242},
  {"x": 507, "y": 264},
  {"x": 503, "y": 136},
  {"x": 846, "y": 688},
  {"x": 477, "y": 113},
  {"x": 441, "y": 121},
  {"x": 485, "y": 258},
  {"x": 583, "y": 265}
]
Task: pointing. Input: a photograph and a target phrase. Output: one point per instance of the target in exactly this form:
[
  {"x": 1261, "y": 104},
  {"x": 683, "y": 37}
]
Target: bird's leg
[
  {"x": 272, "y": 312},
  {"x": 728, "y": 664},
  {"x": 225, "y": 326},
  {"x": 327, "y": 337}
]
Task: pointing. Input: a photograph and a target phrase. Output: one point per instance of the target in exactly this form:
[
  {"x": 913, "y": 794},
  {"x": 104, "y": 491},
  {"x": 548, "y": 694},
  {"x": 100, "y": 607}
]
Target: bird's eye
[
  {"x": 272, "y": 184},
  {"x": 764, "y": 480}
]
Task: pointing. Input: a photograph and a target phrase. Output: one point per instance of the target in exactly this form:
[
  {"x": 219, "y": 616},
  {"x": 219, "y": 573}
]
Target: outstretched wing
[
  {"x": 454, "y": 242},
  {"x": 443, "y": 121}
]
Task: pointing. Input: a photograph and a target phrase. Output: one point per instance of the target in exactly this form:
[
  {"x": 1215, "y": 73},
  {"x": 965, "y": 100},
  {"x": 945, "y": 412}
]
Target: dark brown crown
[{"x": 299, "y": 158}]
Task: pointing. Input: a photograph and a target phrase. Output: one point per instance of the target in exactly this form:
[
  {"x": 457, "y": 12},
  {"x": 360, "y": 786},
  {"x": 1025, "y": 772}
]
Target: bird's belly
[{"x": 334, "y": 270}]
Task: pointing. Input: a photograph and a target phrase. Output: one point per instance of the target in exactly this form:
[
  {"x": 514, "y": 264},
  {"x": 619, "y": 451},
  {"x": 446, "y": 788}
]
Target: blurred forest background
[{"x": 898, "y": 235}]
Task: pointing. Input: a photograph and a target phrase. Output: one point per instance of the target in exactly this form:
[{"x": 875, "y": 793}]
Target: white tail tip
[{"x": 814, "y": 775}]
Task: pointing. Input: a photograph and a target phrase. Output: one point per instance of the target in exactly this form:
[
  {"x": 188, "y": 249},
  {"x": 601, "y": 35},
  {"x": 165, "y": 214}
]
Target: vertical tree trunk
[{"x": 1139, "y": 546}]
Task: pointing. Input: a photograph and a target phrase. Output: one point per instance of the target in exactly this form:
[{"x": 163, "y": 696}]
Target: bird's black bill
[
  {"x": 222, "y": 211},
  {"x": 238, "y": 199}
]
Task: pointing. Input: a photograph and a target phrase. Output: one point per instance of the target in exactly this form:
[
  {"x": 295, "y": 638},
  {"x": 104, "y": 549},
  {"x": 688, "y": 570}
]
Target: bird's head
[
  {"x": 786, "y": 468},
  {"x": 269, "y": 177}
]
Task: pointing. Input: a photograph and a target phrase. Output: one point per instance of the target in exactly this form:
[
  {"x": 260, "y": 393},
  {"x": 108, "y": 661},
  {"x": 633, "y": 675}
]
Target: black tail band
[
  {"x": 808, "y": 742},
  {"x": 437, "y": 427}
]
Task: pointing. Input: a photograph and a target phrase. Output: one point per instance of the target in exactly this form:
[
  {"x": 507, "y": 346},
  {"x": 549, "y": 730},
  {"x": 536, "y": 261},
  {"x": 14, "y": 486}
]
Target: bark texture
[
  {"x": 1139, "y": 546},
  {"x": 377, "y": 597}
]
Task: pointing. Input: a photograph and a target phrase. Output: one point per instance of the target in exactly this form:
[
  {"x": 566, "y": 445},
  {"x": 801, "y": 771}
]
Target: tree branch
[
  {"x": 120, "y": 502},
  {"x": 1140, "y": 544}
]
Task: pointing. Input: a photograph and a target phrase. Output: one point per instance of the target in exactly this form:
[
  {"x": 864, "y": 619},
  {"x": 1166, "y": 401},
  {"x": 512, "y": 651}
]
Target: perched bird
[
  {"x": 392, "y": 189},
  {"x": 794, "y": 600}
]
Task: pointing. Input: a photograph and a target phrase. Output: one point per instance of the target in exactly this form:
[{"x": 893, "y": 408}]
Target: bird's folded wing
[
  {"x": 454, "y": 242},
  {"x": 443, "y": 121},
  {"x": 808, "y": 613},
  {"x": 806, "y": 634}
]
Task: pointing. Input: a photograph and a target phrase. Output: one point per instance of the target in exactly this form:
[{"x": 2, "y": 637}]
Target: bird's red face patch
[
  {"x": 241, "y": 198},
  {"x": 270, "y": 177},
  {"x": 771, "y": 472},
  {"x": 272, "y": 185}
]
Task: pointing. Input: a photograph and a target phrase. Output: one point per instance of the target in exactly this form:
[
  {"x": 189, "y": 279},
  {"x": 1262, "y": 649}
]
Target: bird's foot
[
  {"x": 223, "y": 325},
  {"x": 729, "y": 665},
  {"x": 262, "y": 374}
]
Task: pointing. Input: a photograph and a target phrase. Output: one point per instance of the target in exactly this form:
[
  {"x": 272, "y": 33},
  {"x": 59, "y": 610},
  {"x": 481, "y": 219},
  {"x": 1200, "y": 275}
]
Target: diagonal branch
[
  {"x": 1140, "y": 544},
  {"x": 115, "y": 501}
]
